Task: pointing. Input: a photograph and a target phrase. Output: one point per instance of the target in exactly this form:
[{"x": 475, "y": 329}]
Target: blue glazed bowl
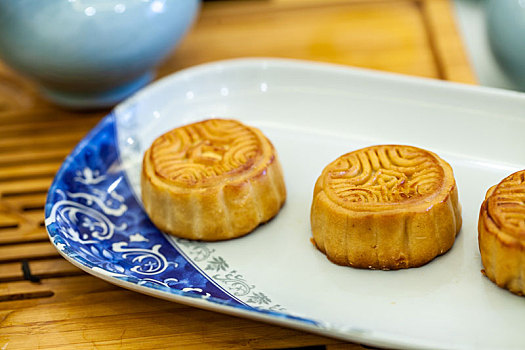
[
  {"x": 506, "y": 34},
  {"x": 91, "y": 53}
]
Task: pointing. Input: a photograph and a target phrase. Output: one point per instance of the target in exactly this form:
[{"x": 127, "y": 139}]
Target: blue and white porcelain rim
[
  {"x": 86, "y": 265},
  {"x": 188, "y": 299},
  {"x": 191, "y": 299}
]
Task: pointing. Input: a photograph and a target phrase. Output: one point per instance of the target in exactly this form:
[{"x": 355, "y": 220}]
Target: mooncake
[
  {"x": 212, "y": 180},
  {"x": 501, "y": 233},
  {"x": 385, "y": 207}
]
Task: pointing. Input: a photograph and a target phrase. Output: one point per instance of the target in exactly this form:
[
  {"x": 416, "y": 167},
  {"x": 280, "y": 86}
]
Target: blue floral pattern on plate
[{"x": 93, "y": 218}]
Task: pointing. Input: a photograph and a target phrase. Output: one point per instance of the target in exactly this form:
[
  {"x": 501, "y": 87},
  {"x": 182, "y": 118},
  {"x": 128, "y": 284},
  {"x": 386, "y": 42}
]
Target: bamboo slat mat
[{"x": 70, "y": 309}]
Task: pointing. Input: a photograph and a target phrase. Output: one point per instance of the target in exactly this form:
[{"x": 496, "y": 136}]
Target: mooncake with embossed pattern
[
  {"x": 212, "y": 180},
  {"x": 385, "y": 207},
  {"x": 501, "y": 233}
]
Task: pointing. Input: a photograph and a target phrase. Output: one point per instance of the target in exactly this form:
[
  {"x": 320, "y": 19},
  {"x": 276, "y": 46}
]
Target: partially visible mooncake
[
  {"x": 212, "y": 180},
  {"x": 501, "y": 229},
  {"x": 385, "y": 207}
]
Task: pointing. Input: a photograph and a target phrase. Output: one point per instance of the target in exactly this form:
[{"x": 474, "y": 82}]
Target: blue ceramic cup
[
  {"x": 506, "y": 34},
  {"x": 91, "y": 53}
]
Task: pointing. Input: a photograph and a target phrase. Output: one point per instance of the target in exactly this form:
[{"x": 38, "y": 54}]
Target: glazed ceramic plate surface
[{"x": 312, "y": 113}]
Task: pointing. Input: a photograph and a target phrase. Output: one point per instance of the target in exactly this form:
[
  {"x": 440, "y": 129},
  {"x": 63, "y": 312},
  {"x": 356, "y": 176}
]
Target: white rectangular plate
[{"x": 314, "y": 113}]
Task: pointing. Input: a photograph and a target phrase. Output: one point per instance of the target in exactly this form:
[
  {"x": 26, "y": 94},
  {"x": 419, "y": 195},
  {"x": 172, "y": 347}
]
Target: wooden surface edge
[{"x": 446, "y": 41}]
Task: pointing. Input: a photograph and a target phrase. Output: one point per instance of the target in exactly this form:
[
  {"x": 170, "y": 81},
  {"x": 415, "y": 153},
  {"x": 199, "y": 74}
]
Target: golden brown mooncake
[
  {"x": 501, "y": 233},
  {"x": 212, "y": 180},
  {"x": 385, "y": 207}
]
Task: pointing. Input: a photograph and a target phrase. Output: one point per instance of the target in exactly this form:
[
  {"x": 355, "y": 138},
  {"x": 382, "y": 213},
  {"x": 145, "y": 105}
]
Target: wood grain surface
[{"x": 70, "y": 309}]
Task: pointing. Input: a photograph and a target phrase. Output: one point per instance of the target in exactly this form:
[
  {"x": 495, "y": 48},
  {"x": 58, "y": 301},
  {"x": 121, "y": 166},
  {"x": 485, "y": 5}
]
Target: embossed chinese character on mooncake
[
  {"x": 501, "y": 229},
  {"x": 212, "y": 180},
  {"x": 385, "y": 207}
]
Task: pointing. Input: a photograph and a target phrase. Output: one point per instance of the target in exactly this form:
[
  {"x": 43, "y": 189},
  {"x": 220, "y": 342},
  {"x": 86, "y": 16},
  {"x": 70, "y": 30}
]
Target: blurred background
[
  {"x": 472, "y": 23},
  {"x": 444, "y": 39}
]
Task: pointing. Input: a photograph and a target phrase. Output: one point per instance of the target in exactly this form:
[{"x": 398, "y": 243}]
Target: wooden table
[{"x": 70, "y": 309}]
